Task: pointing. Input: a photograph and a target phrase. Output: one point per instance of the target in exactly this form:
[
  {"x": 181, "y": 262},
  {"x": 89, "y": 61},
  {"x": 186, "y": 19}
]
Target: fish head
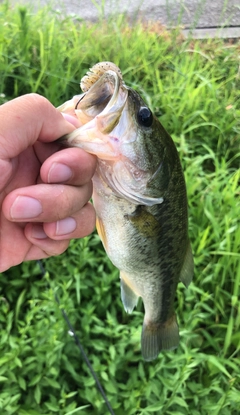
[{"x": 120, "y": 129}]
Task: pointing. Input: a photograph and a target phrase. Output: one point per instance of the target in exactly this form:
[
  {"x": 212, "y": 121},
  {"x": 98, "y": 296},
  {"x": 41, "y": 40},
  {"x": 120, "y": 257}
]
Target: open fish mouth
[{"x": 99, "y": 111}]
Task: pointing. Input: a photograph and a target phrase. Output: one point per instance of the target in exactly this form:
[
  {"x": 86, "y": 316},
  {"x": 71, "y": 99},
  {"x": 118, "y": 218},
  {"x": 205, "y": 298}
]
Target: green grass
[{"x": 194, "y": 89}]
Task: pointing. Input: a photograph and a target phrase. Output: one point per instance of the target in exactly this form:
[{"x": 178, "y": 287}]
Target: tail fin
[{"x": 159, "y": 336}]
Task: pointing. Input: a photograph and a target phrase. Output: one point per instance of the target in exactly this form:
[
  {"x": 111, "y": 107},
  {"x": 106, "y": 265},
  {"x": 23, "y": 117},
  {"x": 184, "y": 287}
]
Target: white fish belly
[{"x": 132, "y": 253}]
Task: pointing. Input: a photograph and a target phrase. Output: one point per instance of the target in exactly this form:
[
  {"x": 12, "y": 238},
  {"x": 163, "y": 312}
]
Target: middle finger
[{"x": 45, "y": 202}]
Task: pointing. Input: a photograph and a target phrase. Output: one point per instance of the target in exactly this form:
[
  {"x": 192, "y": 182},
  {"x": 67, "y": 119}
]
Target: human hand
[{"x": 44, "y": 192}]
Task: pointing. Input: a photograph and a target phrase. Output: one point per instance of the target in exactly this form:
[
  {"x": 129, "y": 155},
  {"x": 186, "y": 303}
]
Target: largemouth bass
[{"x": 140, "y": 199}]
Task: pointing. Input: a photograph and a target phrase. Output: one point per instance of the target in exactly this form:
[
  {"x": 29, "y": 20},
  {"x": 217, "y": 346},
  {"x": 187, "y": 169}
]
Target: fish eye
[{"x": 145, "y": 117}]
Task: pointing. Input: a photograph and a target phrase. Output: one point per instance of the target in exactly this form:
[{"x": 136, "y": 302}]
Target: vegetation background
[{"x": 193, "y": 87}]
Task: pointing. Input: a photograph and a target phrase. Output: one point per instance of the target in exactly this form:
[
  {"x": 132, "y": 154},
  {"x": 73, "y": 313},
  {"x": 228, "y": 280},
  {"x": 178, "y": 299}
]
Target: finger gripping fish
[{"x": 140, "y": 199}]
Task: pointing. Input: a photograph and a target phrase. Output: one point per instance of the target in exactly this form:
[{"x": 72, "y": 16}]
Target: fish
[{"x": 140, "y": 198}]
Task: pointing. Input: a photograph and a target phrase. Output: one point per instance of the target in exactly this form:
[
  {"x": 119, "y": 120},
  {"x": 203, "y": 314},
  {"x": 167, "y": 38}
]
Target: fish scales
[{"x": 140, "y": 199}]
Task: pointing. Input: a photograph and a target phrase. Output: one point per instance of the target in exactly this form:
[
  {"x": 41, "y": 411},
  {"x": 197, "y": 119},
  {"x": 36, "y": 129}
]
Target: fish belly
[{"x": 127, "y": 250}]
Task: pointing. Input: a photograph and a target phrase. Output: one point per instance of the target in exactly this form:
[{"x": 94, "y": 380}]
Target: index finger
[{"x": 27, "y": 119}]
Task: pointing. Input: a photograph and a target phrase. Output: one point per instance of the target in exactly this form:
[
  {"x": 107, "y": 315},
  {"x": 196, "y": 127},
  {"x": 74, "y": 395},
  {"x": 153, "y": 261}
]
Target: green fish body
[{"x": 140, "y": 199}]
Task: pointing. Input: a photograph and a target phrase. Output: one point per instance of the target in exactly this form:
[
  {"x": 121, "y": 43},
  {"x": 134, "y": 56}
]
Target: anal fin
[
  {"x": 128, "y": 296},
  {"x": 159, "y": 336},
  {"x": 187, "y": 268}
]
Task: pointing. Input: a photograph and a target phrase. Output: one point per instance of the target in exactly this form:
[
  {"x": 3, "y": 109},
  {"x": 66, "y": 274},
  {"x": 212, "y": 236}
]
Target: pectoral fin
[
  {"x": 128, "y": 296},
  {"x": 187, "y": 268},
  {"x": 101, "y": 232}
]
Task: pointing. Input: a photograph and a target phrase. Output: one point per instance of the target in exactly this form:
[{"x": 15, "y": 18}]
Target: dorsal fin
[{"x": 96, "y": 72}]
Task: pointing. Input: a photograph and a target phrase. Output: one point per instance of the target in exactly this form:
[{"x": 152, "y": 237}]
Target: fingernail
[
  {"x": 38, "y": 232},
  {"x": 71, "y": 119},
  {"x": 25, "y": 207},
  {"x": 59, "y": 173},
  {"x": 65, "y": 226}
]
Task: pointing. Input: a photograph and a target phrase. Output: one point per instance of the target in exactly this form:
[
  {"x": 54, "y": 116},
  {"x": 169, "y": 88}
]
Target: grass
[{"x": 194, "y": 88}]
